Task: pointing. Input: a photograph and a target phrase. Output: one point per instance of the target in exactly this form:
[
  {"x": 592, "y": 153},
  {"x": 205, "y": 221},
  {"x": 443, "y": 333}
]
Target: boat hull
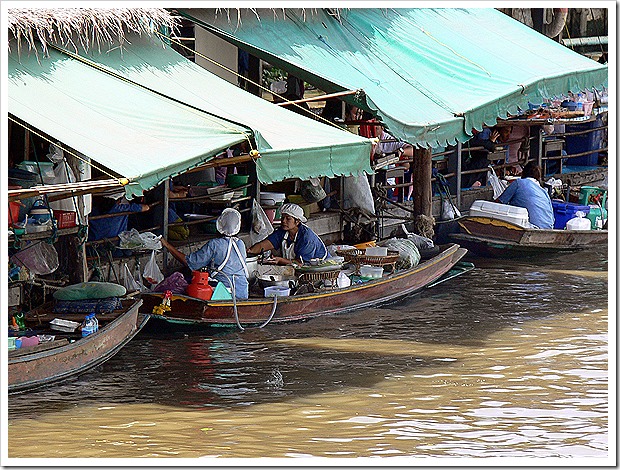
[
  {"x": 487, "y": 236},
  {"x": 32, "y": 369},
  {"x": 303, "y": 307}
]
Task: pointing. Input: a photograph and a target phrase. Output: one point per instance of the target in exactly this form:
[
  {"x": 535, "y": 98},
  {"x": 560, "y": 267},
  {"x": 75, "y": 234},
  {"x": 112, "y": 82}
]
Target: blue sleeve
[
  {"x": 276, "y": 238},
  {"x": 506, "y": 196},
  {"x": 131, "y": 207},
  {"x": 201, "y": 258},
  {"x": 309, "y": 245}
]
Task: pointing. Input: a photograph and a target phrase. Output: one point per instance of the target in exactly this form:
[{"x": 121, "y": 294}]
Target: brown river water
[{"x": 508, "y": 361}]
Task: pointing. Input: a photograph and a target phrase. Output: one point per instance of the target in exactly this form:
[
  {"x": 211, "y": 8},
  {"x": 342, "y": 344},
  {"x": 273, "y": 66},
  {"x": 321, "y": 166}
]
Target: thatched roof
[{"x": 91, "y": 26}]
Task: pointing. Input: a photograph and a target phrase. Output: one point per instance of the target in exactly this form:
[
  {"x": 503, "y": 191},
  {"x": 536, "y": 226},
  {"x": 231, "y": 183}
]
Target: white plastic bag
[
  {"x": 130, "y": 282},
  {"x": 499, "y": 186},
  {"x": 357, "y": 193},
  {"x": 152, "y": 273},
  {"x": 261, "y": 226},
  {"x": 134, "y": 240}
]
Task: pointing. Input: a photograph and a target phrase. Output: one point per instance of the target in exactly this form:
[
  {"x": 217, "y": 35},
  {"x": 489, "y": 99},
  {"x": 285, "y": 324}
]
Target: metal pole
[
  {"x": 459, "y": 167},
  {"x": 540, "y": 146},
  {"x": 166, "y": 187}
]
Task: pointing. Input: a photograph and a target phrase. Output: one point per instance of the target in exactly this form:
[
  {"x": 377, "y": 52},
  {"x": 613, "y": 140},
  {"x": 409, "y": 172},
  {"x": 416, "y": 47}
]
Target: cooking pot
[
  {"x": 268, "y": 280},
  {"x": 252, "y": 264}
]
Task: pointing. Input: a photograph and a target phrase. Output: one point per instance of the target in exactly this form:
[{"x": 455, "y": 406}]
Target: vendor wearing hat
[
  {"x": 225, "y": 256},
  {"x": 293, "y": 238}
]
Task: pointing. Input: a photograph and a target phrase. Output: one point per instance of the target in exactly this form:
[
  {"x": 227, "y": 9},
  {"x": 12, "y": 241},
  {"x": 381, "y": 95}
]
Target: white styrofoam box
[
  {"x": 376, "y": 251},
  {"x": 514, "y": 214},
  {"x": 63, "y": 325}
]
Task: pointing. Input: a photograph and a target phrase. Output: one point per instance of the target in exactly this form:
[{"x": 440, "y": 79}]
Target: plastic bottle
[
  {"x": 88, "y": 326},
  {"x": 95, "y": 322}
]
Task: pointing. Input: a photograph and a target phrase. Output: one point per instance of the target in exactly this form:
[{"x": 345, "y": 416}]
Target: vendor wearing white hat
[
  {"x": 294, "y": 239},
  {"x": 224, "y": 256}
]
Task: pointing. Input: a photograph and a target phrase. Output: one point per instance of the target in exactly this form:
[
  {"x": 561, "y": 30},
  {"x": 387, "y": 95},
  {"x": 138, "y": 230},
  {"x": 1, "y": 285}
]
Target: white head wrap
[
  {"x": 294, "y": 211},
  {"x": 229, "y": 222}
]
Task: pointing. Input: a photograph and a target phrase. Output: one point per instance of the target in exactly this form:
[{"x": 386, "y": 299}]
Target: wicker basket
[
  {"x": 359, "y": 257},
  {"x": 315, "y": 277}
]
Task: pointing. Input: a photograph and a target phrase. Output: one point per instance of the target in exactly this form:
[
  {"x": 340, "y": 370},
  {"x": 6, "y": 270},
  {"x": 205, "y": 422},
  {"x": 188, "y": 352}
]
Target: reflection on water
[{"x": 509, "y": 360}]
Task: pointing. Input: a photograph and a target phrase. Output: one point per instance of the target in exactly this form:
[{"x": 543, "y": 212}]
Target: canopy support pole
[
  {"x": 422, "y": 170},
  {"x": 319, "y": 98},
  {"x": 166, "y": 188},
  {"x": 459, "y": 168}
]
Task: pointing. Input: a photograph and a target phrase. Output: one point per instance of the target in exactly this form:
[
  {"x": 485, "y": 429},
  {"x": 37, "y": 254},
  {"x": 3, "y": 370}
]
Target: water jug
[{"x": 200, "y": 287}]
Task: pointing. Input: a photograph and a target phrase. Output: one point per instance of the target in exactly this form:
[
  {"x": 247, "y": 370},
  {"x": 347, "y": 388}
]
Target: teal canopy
[
  {"x": 432, "y": 74},
  {"x": 147, "y": 113}
]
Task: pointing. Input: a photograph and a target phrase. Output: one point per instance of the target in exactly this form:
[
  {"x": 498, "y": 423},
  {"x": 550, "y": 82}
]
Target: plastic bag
[
  {"x": 152, "y": 273},
  {"x": 422, "y": 243},
  {"x": 130, "y": 282},
  {"x": 499, "y": 186},
  {"x": 39, "y": 257},
  {"x": 134, "y": 240},
  {"x": 357, "y": 193},
  {"x": 261, "y": 226},
  {"x": 175, "y": 283},
  {"x": 409, "y": 255}
]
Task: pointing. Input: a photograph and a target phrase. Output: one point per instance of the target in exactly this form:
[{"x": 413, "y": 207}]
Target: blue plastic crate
[{"x": 564, "y": 211}]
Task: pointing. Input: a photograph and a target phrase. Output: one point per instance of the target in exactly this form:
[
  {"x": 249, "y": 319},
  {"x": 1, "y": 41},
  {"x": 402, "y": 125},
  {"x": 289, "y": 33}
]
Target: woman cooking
[
  {"x": 225, "y": 255},
  {"x": 294, "y": 239}
]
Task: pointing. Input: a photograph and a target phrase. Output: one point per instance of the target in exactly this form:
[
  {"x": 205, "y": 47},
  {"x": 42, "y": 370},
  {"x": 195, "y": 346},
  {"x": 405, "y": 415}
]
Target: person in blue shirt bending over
[
  {"x": 110, "y": 227},
  {"x": 293, "y": 238},
  {"x": 527, "y": 192},
  {"x": 225, "y": 256}
]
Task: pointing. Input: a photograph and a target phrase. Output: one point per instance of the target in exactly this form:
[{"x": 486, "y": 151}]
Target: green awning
[
  {"x": 432, "y": 74},
  {"x": 147, "y": 113}
]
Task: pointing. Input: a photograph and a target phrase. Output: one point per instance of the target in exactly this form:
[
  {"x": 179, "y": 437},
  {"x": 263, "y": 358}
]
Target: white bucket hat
[
  {"x": 294, "y": 211},
  {"x": 229, "y": 222}
]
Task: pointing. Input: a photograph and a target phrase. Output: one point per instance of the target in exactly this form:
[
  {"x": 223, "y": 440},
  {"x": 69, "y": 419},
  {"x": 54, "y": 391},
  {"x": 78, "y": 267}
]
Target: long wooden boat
[
  {"x": 188, "y": 310},
  {"x": 69, "y": 354},
  {"x": 487, "y": 236}
]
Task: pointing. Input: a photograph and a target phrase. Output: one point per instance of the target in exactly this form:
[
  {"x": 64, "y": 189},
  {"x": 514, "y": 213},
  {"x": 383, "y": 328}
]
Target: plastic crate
[
  {"x": 564, "y": 211},
  {"x": 65, "y": 219}
]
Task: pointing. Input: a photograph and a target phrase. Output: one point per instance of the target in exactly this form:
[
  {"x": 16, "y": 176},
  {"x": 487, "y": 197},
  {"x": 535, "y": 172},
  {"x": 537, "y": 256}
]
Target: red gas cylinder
[{"x": 200, "y": 287}]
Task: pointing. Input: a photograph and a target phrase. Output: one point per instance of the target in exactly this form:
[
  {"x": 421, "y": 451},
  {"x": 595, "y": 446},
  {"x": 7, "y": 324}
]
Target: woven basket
[{"x": 359, "y": 257}]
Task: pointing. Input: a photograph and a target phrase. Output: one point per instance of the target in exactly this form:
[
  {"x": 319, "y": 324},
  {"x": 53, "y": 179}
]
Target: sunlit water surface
[{"x": 509, "y": 360}]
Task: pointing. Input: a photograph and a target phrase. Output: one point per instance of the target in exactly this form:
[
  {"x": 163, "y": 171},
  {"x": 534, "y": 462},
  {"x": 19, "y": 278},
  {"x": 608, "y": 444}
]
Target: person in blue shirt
[
  {"x": 295, "y": 240},
  {"x": 527, "y": 192},
  {"x": 224, "y": 256},
  {"x": 110, "y": 227}
]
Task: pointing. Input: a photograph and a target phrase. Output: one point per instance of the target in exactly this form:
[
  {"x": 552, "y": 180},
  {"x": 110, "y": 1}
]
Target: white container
[
  {"x": 578, "y": 223},
  {"x": 376, "y": 251},
  {"x": 271, "y": 199},
  {"x": 374, "y": 272},
  {"x": 516, "y": 215},
  {"x": 63, "y": 325},
  {"x": 277, "y": 291}
]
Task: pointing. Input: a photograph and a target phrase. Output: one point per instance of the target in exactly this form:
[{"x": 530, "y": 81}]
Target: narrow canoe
[
  {"x": 487, "y": 236},
  {"x": 70, "y": 354},
  {"x": 189, "y": 310}
]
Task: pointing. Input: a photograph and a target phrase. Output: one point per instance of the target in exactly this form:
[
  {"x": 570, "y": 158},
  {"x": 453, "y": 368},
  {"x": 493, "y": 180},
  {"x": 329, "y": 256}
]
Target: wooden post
[{"x": 422, "y": 167}]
